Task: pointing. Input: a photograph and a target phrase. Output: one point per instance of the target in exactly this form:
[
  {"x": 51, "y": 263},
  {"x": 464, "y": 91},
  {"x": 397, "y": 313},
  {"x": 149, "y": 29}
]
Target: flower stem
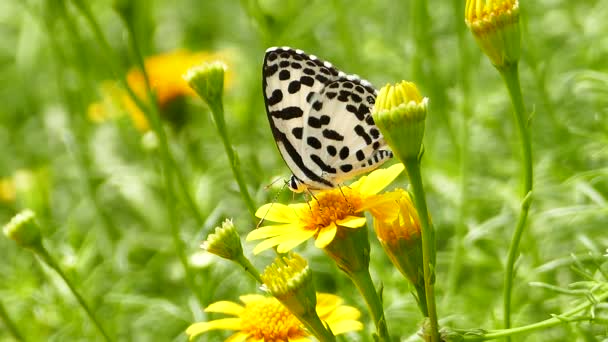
[
  {"x": 511, "y": 77},
  {"x": 249, "y": 268},
  {"x": 9, "y": 324},
  {"x": 168, "y": 165},
  {"x": 548, "y": 323},
  {"x": 48, "y": 259},
  {"x": 142, "y": 105},
  {"x": 316, "y": 326},
  {"x": 217, "y": 109},
  {"x": 364, "y": 283},
  {"x": 412, "y": 166}
]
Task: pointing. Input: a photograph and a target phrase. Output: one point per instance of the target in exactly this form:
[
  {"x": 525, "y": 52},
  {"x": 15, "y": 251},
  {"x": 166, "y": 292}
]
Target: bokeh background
[{"x": 76, "y": 153}]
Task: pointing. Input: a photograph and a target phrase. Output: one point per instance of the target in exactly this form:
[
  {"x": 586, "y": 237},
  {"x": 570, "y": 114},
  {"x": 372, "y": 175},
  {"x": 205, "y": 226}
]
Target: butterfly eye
[{"x": 294, "y": 184}]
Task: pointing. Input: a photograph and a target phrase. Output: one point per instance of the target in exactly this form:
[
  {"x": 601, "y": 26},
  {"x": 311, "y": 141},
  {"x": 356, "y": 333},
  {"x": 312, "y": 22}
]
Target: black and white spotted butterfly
[{"x": 320, "y": 119}]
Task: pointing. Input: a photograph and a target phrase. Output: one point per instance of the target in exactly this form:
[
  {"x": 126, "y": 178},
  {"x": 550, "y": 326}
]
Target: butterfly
[{"x": 321, "y": 120}]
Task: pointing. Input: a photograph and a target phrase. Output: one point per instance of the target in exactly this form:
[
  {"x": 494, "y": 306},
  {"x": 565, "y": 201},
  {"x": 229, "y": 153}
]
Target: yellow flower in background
[
  {"x": 165, "y": 73},
  {"x": 320, "y": 217},
  {"x": 7, "y": 190},
  {"x": 263, "y": 318}
]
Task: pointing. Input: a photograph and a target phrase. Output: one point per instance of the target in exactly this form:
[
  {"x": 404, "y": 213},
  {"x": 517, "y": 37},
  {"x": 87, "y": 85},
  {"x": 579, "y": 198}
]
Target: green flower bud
[
  {"x": 24, "y": 230},
  {"x": 208, "y": 81},
  {"x": 224, "y": 242},
  {"x": 400, "y": 113},
  {"x": 289, "y": 279}
]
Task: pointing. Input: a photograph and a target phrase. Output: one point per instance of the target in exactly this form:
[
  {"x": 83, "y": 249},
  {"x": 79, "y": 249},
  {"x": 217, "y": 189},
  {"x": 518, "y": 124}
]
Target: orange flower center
[
  {"x": 331, "y": 206},
  {"x": 269, "y": 320}
]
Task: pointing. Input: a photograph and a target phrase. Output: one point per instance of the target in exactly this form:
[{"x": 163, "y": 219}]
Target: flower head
[
  {"x": 401, "y": 239},
  {"x": 24, "y": 230},
  {"x": 165, "y": 74},
  {"x": 330, "y": 209},
  {"x": 263, "y": 318},
  {"x": 7, "y": 190},
  {"x": 224, "y": 242},
  {"x": 495, "y": 26},
  {"x": 400, "y": 113},
  {"x": 208, "y": 81}
]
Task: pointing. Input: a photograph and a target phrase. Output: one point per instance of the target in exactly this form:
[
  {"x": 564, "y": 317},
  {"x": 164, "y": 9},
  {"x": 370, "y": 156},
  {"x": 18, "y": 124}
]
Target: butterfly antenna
[
  {"x": 274, "y": 199},
  {"x": 274, "y": 182}
]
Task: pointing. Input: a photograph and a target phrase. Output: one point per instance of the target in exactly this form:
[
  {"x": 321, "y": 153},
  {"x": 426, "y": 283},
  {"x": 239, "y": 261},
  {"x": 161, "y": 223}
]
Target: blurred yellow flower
[
  {"x": 165, "y": 73},
  {"x": 320, "y": 217},
  {"x": 263, "y": 318},
  {"x": 7, "y": 190}
]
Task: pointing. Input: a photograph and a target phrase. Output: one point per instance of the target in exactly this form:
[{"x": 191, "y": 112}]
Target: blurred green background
[{"x": 98, "y": 190}]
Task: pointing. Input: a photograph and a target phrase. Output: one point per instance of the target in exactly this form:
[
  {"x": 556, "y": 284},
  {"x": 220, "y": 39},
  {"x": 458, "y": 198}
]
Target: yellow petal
[
  {"x": 270, "y": 231},
  {"x": 295, "y": 240},
  {"x": 277, "y": 212},
  {"x": 269, "y": 243},
  {"x": 343, "y": 313},
  {"x": 377, "y": 180},
  {"x": 238, "y": 337},
  {"x": 252, "y": 298},
  {"x": 345, "y": 326},
  {"x": 352, "y": 222},
  {"x": 226, "y": 307},
  {"x": 326, "y": 236},
  {"x": 219, "y": 324},
  {"x": 299, "y": 339}
]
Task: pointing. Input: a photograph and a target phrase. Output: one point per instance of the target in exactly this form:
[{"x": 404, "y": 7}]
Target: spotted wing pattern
[{"x": 320, "y": 118}]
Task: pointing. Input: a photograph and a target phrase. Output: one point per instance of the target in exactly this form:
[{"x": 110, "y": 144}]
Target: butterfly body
[{"x": 320, "y": 119}]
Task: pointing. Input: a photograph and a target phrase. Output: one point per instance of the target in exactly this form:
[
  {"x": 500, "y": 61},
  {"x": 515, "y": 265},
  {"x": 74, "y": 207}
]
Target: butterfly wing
[
  {"x": 340, "y": 136},
  {"x": 291, "y": 79},
  {"x": 320, "y": 118}
]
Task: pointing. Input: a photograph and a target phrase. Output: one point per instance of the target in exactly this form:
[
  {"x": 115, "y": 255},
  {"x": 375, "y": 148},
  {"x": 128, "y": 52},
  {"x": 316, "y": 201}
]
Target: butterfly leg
[{"x": 351, "y": 209}]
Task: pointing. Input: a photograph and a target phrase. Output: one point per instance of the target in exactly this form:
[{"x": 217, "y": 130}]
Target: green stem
[
  {"x": 249, "y": 268},
  {"x": 167, "y": 161},
  {"x": 363, "y": 282},
  {"x": 461, "y": 228},
  {"x": 9, "y": 324},
  {"x": 316, "y": 326},
  {"x": 548, "y": 323},
  {"x": 217, "y": 109},
  {"x": 428, "y": 243},
  {"x": 143, "y": 106},
  {"x": 511, "y": 77},
  {"x": 82, "y": 161},
  {"x": 46, "y": 257}
]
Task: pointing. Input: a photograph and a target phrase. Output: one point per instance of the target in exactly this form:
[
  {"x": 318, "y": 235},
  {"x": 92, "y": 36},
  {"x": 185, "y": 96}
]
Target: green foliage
[{"x": 100, "y": 197}]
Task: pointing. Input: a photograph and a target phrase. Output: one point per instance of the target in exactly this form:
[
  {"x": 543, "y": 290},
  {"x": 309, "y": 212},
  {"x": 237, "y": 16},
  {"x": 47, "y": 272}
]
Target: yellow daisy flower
[
  {"x": 7, "y": 190},
  {"x": 320, "y": 217},
  {"x": 165, "y": 74},
  {"x": 263, "y": 318}
]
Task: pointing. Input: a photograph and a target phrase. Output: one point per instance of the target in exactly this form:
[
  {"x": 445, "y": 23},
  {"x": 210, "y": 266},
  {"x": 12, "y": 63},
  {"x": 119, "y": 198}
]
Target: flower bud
[
  {"x": 208, "y": 81},
  {"x": 224, "y": 242},
  {"x": 400, "y": 113},
  {"x": 24, "y": 230},
  {"x": 495, "y": 26}
]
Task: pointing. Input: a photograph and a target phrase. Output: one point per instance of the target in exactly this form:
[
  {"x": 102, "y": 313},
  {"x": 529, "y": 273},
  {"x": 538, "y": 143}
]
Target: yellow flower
[
  {"x": 402, "y": 241},
  {"x": 495, "y": 26},
  {"x": 7, "y": 190},
  {"x": 165, "y": 74},
  {"x": 400, "y": 114},
  {"x": 320, "y": 217},
  {"x": 263, "y": 318}
]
